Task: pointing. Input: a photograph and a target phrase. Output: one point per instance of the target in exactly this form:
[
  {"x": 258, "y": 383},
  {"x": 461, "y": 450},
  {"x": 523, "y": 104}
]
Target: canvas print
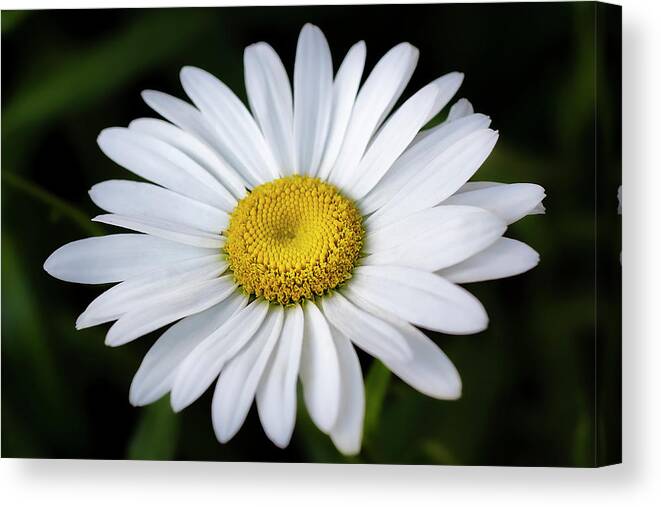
[{"x": 302, "y": 234}]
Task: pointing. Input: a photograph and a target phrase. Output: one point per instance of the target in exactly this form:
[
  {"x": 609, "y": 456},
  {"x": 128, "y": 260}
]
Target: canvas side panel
[{"x": 608, "y": 234}]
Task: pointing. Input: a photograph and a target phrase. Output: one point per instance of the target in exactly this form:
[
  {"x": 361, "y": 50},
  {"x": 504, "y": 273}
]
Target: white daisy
[{"x": 281, "y": 239}]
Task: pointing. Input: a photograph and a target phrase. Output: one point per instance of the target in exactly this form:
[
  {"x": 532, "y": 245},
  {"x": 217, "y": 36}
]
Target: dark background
[{"x": 539, "y": 70}]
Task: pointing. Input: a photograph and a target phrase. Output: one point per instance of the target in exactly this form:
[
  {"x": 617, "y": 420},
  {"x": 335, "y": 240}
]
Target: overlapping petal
[
  {"x": 506, "y": 257},
  {"x": 159, "y": 162},
  {"x": 168, "y": 307},
  {"x": 239, "y": 137},
  {"x": 276, "y": 394},
  {"x": 156, "y": 374},
  {"x": 114, "y": 258},
  {"x": 141, "y": 291},
  {"x": 202, "y": 366},
  {"x": 375, "y": 100},
  {"x": 422, "y": 298},
  {"x": 237, "y": 384},
  {"x": 420, "y": 154},
  {"x": 433, "y": 238},
  {"x": 320, "y": 370},
  {"x": 145, "y": 200}
]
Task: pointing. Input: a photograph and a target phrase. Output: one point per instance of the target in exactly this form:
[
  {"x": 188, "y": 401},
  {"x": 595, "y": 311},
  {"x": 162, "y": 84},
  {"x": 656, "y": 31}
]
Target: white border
[{"x": 636, "y": 482}]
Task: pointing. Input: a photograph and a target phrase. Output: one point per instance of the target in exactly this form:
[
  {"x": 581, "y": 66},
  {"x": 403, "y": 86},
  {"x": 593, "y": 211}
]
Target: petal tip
[
  {"x": 348, "y": 449},
  {"x": 455, "y": 76},
  {"x": 223, "y": 434},
  {"x": 309, "y": 28},
  {"x": 107, "y": 136},
  {"x": 82, "y": 322},
  {"x": 136, "y": 398},
  {"x": 188, "y": 72},
  {"x": 48, "y": 265},
  {"x": 150, "y": 96},
  {"x": 452, "y": 396},
  {"x": 179, "y": 398},
  {"x": 177, "y": 404},
  {"x": 281, "y": 441},
  {"x": 113, "y": 338}
]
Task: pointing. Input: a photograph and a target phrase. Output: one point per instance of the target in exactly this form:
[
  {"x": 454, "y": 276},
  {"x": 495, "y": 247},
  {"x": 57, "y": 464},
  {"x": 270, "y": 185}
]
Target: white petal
[
  {"x": 391, "y": 141},
  {"x": 506, "y": 257},
  {"x": 410, "y": 56},
  {"x": 471, "y": 186},
  {"x": 429, "y": 370},
  {"x": 169, "y": 307},
  {"x": 203, "y": 364},
  {"x": 157, "y": 161},
  {"x": 421, "y": 298},
  {"x": 196, "y": 149},
  {"x": 190, "y": 119},
  {"x": 439, "y": 179},
  {"x": 313, "y": 95},
  {"x": 181, "y": 113},
  {"x": 370, "y": 333},
  {"x": 140, "y": 292},
  {"x": 345, "y": 88},
  {"x": 109, "y": 259},
  {"x": 242, "y": 143},
  {"x": 418, "y": 156},
  {"x": 434, "y": 238},
  {"x": 276, "y": 394},
  {"x": 156, "y": 374},
  {"x": 269, "y": 95},
  {"x": 447, "y": 85},
  {"x": 375, "y": 99},
  {"x": 347, "y": 433},
  {"x": 431, "y": 142},
  {"x": 138, "y": 199},
  {"x": 164, "y": 229},
  {"x": 237, "y": 384},
  {"x": 510, "y": 202},
  {"x": 319, "y": 369},
  {"x": 460, "y": 109}
]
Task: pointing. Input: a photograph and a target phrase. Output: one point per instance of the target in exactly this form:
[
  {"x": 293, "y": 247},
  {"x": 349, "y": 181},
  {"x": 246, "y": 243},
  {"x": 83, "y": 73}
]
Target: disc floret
[{"x": 293, "y": 238}]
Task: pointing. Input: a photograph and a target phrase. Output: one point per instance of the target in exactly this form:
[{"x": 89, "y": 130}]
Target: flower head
[{"x": 279, "y": 241}]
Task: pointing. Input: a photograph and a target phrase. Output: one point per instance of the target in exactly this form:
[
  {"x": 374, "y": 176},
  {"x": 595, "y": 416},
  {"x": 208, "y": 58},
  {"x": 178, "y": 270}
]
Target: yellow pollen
[{"x": 293, "y": 238}]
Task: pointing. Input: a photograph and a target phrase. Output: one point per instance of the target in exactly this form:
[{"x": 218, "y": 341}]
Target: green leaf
[
  {"x": 376, "y": 386},
  {"x": 157, "y": 433}
]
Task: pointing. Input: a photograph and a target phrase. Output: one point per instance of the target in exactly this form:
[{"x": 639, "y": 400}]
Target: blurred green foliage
[
  {"x": 156, "y": 434},
  {"x": 529, "y": 379}
]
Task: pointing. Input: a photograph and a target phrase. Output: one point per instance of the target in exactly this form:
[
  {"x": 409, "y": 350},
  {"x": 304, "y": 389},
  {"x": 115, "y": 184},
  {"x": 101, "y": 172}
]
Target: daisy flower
[{"x": 281, "y": 237}]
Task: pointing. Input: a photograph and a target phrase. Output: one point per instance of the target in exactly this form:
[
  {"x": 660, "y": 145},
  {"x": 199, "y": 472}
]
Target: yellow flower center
[{"x": 293, "y": 238}]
